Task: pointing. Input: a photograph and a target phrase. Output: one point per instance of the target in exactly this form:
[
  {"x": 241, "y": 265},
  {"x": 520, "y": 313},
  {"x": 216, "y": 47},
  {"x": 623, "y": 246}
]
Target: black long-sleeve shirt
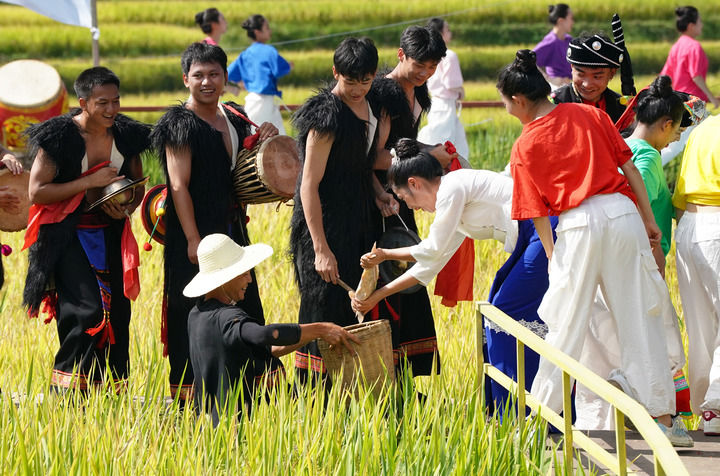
[{"x": 226, "y": 344}]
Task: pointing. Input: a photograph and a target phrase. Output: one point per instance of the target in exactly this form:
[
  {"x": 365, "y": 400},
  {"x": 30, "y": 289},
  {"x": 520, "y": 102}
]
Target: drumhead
[
  {"x": 278, "y": 165},
  {"x": 18, "y": 185},
  {"x": 29, "y": 84}
]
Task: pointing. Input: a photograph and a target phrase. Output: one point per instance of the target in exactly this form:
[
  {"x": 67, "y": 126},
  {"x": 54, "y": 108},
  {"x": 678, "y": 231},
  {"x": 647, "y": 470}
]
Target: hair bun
[
  {"x": 200, "y": 18},
  {"x": 525, "y": 60},
  {"x": 661, "y": 87}
]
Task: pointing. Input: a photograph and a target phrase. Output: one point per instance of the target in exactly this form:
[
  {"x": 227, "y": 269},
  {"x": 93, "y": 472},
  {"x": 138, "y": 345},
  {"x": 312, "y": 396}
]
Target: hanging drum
[{"x": 268, "y": 172}]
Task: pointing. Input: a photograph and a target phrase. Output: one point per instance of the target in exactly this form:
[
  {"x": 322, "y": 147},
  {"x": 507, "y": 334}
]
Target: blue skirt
[{"x": 517, "y": 290}]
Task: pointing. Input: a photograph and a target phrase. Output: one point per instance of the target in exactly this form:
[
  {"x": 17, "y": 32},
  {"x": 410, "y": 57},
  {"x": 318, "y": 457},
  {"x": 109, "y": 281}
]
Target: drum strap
[
  {"x": 250, "y": 141},
  {"x": 240, "y": 115}
]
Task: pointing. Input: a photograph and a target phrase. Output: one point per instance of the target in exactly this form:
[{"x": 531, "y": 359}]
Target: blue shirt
[{"x": 259, "y": 67}]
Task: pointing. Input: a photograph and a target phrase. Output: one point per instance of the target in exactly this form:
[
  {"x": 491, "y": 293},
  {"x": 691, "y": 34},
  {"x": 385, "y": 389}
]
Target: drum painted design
[
  {"x": 268, "y": 172},
  {"x": 30, "y": 92}
]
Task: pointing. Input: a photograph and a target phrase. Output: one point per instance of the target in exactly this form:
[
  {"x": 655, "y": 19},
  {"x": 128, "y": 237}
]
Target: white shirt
[
  {"x": 116, "y": 159},
  {"x": 234, "y": 139},
  {"x": 447, "y": 78},
  {"x": 470, "y": 203}
]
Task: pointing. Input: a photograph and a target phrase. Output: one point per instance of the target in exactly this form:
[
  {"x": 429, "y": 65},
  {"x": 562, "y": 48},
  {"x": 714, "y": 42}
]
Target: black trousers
[{"x": 79, "y": 362}]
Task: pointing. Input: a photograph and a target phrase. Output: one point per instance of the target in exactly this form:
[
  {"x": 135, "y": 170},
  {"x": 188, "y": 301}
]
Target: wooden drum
[
  {"x": 18, "y": 186},
  {"x": 268, "y": 172},
  {"x": 30, "y": 92}
]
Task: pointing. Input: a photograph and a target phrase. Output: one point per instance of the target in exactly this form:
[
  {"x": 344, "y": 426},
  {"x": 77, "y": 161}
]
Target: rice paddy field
[{"x": 295, "y": 431}]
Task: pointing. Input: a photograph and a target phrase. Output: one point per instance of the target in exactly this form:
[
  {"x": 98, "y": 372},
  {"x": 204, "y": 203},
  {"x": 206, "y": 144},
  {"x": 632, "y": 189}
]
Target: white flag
[{"x": 72, "y": 12}]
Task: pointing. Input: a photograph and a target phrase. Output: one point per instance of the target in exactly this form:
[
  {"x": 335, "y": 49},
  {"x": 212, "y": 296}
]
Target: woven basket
[{"x": 374, "y": 356}]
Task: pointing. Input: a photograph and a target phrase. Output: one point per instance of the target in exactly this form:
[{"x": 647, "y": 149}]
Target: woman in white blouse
[{"x": 475, "y": 204}]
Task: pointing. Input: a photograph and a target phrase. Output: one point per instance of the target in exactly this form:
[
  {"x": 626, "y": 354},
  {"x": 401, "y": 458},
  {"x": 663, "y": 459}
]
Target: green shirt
[{"x": 647, "y": 160}]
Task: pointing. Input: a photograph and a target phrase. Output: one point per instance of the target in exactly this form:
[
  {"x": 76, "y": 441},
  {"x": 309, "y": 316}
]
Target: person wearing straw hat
[{"x": 228, "y": 345}]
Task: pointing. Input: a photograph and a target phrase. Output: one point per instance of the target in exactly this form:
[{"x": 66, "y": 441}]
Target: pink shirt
[
  {"x": 685, "y": 61},
  {"x": 446, "y": 78},
  {"x": 210, "y": 41}
]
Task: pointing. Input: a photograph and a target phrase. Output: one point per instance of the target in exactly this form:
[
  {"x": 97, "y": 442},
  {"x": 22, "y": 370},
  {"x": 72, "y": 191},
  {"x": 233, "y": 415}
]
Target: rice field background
[{"x": 449, "y": 432}]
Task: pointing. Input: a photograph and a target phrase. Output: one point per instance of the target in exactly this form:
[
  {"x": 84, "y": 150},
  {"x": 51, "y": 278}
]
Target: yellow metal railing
[{"x": 666, "y": 459}]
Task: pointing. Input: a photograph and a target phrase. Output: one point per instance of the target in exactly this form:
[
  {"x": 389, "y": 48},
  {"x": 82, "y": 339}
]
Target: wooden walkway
[{"x": 701, "y": 460}]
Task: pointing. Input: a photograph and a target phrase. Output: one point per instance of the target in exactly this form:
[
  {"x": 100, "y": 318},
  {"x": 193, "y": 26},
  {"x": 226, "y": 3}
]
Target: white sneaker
[
  {"x": 677, "y": 434},
  {"x": 617, "y": 379},
  {"x": 711, "y": 423}
]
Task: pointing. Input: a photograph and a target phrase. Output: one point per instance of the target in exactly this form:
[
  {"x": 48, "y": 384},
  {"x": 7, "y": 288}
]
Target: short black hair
[
  {"x": 684, "y": 16},
  {"x": 659, "y": 101},
  {"x": 523, "y": 77},
  {"x": 254, "y": 22},
  {"x": 422, "y": 43},
  {"x": 422, "y": 165},
  {"x": 206, "y": 17},
  {"x": 92, "y": 78},
  {"x": 202, "y": 53},
  {"x": 356, "y": 57},
  {"x": 556, "y": 12}
]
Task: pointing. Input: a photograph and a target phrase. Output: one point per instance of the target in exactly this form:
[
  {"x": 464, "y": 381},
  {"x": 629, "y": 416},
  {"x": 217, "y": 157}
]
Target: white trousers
[
  {"x": 262, "y": 108},
  {"x": 443, "y": 125},
  {"x": 601, "y": 354},
  {"x": 603, "y": 242},
  {"x": 698, "y": 267}
]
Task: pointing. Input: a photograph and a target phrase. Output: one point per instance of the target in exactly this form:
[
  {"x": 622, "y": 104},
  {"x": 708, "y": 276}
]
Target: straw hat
[{"x": 221, "y": 260}]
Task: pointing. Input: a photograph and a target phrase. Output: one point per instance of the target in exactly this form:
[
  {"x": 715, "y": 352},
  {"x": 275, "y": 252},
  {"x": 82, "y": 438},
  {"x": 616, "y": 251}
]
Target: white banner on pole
[{"x": 72, "y": 12}]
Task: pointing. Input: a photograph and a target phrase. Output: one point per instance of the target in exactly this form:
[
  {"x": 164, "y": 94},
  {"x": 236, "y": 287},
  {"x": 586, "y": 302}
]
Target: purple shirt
[{"x": 551, "y": 54}]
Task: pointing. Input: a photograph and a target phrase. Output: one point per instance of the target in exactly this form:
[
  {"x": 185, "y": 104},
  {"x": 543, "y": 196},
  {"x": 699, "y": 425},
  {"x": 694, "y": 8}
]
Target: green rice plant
[
  {"x": 313, "y": 68},
  {"x": 370, "y": 12},
  {"x": 448, "y": 432}
]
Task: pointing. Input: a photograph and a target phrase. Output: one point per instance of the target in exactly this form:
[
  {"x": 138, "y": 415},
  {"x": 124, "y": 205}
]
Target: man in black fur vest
[
  {"x": 402, "y": 95},
  {"x": 83, "y": 263},
  {"x": 197, "y": 143}
]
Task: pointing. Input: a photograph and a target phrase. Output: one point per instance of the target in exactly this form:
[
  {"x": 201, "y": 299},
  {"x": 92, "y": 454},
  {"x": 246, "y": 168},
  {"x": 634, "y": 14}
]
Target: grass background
[{"x": 449, "y": 433}]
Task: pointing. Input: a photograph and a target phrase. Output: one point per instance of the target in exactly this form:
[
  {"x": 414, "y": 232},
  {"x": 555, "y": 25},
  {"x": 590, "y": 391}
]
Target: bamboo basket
[{"x": 373, "y": 365}]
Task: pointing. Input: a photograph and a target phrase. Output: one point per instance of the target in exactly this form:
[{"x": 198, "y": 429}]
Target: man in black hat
[{"x": 594, "y": 60}]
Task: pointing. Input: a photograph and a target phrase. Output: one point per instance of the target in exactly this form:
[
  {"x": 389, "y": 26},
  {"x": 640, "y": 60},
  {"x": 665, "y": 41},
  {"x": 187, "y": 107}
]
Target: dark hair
[
  {"x": 523, "y": 77},
  {"x": 206, "y": 17},
  {"x": 684, "y": 16},
  {"x": 422, "y": 44},
  {"x": 659, "y": 101},
  {"x": 436, "y": 24},
  {"x": 556, "y": 12},
  {"x": 202, "y": 53},
  {"x": 406, "y": 148},
  {"x": 356, "y": 57},
  {"x": 254, "y": 22},
  {"x": 92, "y": 78},
  {"x": 421, "y": 165}
]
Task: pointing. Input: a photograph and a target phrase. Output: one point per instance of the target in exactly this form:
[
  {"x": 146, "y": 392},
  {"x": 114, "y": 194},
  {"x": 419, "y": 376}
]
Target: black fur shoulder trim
[
  {"x": 60, "y": 138},
  {"x": 319, "y": 113},
  {"x": 131, "y": 137},
  {"x": 240, "y": 124}
]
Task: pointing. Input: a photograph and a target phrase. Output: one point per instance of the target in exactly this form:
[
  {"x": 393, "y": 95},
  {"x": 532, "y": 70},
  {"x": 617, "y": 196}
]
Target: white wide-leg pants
[
  {"x": 603, "y": 242},
  {"x": 698, "y": 267},
  {"x": 443, "y": 125},
  {"x": 263, "y": 108}
]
